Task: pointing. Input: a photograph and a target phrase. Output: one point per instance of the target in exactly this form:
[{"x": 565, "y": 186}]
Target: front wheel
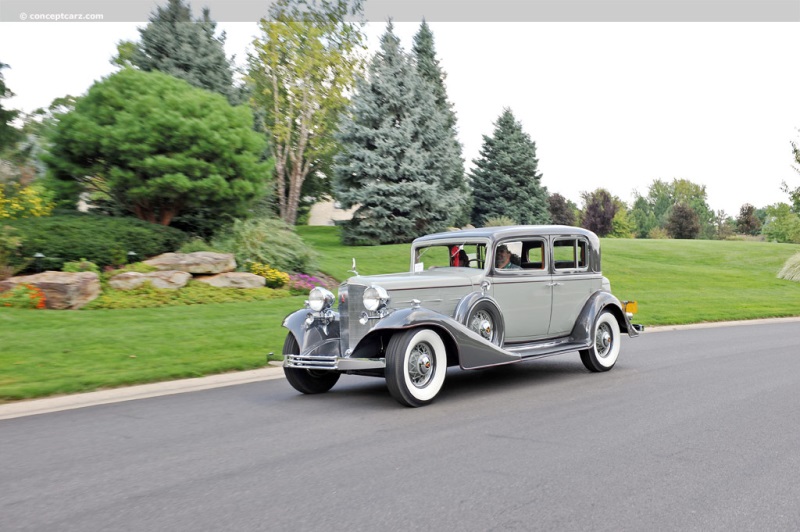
[
  {"x": 416, "y": 364},
  {"x": 603, "y": 353},
  {"x": 307, "y": 381}
]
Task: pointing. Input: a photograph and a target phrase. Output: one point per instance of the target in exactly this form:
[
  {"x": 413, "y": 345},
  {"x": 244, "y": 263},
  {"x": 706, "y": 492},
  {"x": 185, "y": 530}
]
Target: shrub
[
  {"x": 23, "y": 296},
  {"x": 300, "y": 283},
  {"x": 658, "y": 233},
  {"x": 791, "y": 269},
  {"x": 197, "y": 244},
  {"x": 275, "y": 278},
  {"x": 498, "y": 221},
  {"x": 104, "y": 240},
  {"x": 268, "y": 241},
  {"x": 194, "y": 293},
  {"x": 11, "y": 259},
  {"x": 82, "y": 265}
]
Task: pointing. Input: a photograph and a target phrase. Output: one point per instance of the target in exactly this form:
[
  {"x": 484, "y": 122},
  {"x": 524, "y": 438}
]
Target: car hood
[{"x": 430, "y": 279}]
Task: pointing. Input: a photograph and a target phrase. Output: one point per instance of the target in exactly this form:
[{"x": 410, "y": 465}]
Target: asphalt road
[{"x": 692, "y": 430}]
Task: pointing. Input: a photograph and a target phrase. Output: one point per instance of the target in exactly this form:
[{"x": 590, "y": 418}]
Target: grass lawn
[{"x": 51, "y": 352}]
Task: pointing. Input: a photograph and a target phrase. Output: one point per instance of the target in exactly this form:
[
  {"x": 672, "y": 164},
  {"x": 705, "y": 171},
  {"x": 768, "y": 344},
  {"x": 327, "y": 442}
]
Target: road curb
[
  {"x": 158, "y": 389},
  {"x": 130, "y": 393}
]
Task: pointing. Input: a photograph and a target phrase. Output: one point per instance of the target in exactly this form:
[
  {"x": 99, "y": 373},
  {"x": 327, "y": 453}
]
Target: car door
[
  {"x": 524, "y": 294},
  {"x": 572, "y": 281}
]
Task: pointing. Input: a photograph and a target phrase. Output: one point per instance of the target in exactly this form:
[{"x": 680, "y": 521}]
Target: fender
[
  {"x": 468, "y": 303},
  {"x": 314, "y": 340},
  {"x": 469, "y": 348},
  {"x": 582, "y": 332}
]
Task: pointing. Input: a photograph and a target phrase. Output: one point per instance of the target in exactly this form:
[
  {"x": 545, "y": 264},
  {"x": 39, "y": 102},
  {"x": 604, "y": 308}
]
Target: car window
[
  {"x": 524, "y": 256},
  {"x": 570, "y": 254},
  {"x": 461, "y": 255}
]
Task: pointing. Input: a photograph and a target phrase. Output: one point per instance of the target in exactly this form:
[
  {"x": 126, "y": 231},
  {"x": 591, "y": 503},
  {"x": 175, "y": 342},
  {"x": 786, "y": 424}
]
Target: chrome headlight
[
  {"x": 375, "y": 298},
  {"x": 320, "y": 299}
]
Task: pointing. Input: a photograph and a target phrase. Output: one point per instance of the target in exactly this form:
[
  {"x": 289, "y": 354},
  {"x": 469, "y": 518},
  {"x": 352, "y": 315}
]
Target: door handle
[{"x": 556, "y": 284}]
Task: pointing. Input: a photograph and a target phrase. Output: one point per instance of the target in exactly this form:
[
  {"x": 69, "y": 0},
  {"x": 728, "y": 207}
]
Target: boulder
[
  {"x": 62, "y": 290},
  {"x": 172, "y": 280},
  {"x": 234, "y": 280},
  {"x": 202, "y": 262}
]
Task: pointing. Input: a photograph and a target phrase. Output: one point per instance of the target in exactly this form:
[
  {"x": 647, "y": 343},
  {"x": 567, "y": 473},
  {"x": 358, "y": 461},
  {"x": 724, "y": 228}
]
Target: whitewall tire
[
  {"x": 603, "y": 353},
  {"x": 416, "y": 365}
]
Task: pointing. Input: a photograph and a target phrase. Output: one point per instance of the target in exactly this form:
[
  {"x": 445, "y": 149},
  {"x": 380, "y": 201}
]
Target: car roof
[{"x": 510, "y": 231}]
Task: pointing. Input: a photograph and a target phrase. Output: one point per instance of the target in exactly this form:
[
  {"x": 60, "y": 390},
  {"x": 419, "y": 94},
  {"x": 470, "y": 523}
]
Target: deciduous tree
[
  {"x": 562, "y": 211},
  {"x": 304, "y": 64},
  {"x": 747, "y": 223},
  {"x": 599, "y": 209},
  {"x": 506, "y": 180},
  {"x": 683, "y": 222},
  {"x": 158, "y": 146}
]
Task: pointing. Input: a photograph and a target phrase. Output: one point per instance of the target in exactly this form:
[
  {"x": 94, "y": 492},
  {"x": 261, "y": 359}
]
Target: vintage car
[{"x": 473, "y": 298}]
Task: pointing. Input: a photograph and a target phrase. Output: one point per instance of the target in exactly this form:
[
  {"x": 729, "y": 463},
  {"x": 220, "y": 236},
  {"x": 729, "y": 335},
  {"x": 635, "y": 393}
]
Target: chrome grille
[{"x": 350, "y": 308}]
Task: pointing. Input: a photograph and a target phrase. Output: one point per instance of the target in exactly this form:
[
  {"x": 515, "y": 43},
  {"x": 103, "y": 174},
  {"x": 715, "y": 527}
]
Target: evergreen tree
[
  {"x": 157, "y": 147},
  {"x": 176, "y": 44},
  {"x": 505, "y": 180},
  {"x": 442, "y": 145},
  {"x": 384, "y": 166},
  {"x": 8, "y": 134}
]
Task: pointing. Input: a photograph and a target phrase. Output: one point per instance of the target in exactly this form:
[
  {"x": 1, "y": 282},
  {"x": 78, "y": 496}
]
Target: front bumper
[{"x": 332, "y": 363}]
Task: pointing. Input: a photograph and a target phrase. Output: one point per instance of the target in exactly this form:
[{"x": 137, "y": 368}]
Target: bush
[
  {"x": 103, "y": 240},
  {"x": 268, "y": 241},
  {"x": 82, "y": 265},
  {"x": 791, "y": 269},
  {"x": 194, "y": 293},
  {"x": 11, "y": 259},
  {"x": 23, "y": 296},
  {"x": 498, "y": 221},
  {"x": 275, "y": 278}
]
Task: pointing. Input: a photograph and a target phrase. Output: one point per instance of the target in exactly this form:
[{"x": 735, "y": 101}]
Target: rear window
[{"x": 570, "y": 254}]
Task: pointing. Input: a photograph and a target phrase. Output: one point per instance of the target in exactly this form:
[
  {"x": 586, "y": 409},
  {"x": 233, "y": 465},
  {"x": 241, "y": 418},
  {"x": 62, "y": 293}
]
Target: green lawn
[{"x": 51, "y": 352}]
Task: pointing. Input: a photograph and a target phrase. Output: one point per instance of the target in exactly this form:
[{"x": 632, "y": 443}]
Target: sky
[{"x": 611, "y": 105}]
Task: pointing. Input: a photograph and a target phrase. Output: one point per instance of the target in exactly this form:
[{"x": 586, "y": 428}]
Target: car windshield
[{"x": 450, "y": 255}]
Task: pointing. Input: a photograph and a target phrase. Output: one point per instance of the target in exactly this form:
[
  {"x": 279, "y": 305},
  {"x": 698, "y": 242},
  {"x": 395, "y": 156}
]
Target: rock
[
  {"x": 62, "y": 290},
  {"x": 167, "y": 279},
  {"x": 202, "y": 262},
  {"x": 234, "y": 280}
]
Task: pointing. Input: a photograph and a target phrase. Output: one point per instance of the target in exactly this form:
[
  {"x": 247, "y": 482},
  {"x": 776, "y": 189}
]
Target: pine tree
[
  {"x": 8, "y": 134},
  {"x": 384, "y": 166},
  {"x": 176, "y": 44},
  {"x": 505, "y": 180},
  {"x": 443, "y": 145}
]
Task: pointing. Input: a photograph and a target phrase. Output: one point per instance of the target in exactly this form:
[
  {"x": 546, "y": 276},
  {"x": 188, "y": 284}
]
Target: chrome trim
[{"x": 328, "y": 363}]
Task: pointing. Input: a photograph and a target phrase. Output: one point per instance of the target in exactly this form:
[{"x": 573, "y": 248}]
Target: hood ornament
[{"x": 353, "y": 271}]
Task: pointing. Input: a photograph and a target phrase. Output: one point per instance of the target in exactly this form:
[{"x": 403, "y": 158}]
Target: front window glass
[
  {"x": 528, "y": 255},
  {"x": 453, "y": 255}
]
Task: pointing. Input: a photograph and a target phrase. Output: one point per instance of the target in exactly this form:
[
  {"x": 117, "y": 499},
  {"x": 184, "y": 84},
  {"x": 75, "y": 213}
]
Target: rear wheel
[
  {"x": 603, "y": 353},
  {"x": 306, "y": 380},
  {"x": 416, "y": 364}
]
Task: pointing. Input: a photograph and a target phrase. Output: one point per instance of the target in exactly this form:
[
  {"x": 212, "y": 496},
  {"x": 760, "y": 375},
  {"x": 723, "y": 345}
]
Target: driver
[{"x": 502, "y": 259}]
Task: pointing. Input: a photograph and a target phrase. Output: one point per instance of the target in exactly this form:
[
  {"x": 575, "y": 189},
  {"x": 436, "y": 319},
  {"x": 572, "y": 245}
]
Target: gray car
[{"x": 473, "y": 298}]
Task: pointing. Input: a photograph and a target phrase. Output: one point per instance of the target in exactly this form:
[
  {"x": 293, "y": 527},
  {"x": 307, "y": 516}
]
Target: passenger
[
  {"x": 502, "y": 259},
  {"x": 460, "y": 259}
]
